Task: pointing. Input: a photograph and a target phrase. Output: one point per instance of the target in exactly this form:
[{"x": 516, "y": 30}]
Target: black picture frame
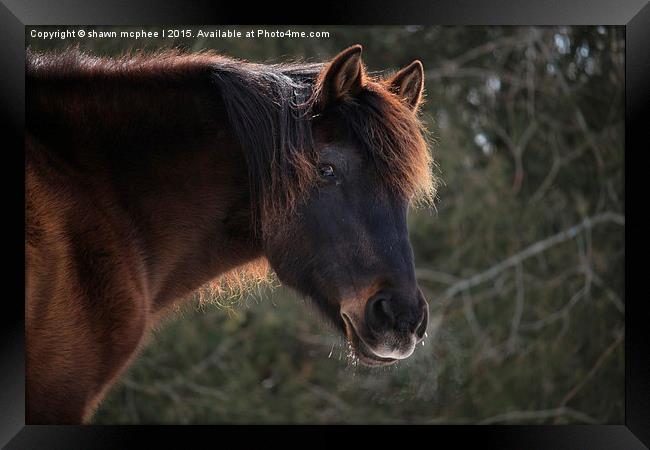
[{"x": 16, "y": 14}]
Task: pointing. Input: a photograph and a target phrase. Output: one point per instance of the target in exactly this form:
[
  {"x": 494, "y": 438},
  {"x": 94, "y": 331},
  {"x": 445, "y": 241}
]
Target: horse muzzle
[{"x": 387, "y": 327}]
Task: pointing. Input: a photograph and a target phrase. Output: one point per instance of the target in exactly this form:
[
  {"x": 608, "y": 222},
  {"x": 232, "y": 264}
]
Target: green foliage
[{"x": 529, "y": 130}]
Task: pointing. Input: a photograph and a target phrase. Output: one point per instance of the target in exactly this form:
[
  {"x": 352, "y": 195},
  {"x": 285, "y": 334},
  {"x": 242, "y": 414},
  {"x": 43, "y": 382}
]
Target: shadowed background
[{"x": 522, "y": 258}]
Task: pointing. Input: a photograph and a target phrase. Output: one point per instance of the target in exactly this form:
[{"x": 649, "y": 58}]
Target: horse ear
[
  {"x": 343, "y": 76},
  {"x": 408, "y": 84}
]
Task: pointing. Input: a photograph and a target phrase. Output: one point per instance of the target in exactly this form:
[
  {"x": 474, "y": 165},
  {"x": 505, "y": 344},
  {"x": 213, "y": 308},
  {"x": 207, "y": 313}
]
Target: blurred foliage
[{"x": 527, "y": 318}]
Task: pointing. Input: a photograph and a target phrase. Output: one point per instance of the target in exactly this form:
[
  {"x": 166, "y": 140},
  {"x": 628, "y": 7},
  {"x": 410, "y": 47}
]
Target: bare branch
[{"x": 533, "y": 250}]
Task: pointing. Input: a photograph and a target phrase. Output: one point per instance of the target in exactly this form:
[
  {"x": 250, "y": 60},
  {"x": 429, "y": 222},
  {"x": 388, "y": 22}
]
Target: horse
[{"x": 150, "y": 174}]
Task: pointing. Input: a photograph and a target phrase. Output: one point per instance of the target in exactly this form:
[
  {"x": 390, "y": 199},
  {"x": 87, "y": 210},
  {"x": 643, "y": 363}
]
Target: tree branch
[{"x": 532, "y": 250}]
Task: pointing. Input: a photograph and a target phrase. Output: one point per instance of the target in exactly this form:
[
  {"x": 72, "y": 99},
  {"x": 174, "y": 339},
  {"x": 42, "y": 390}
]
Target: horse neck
[{"x": 162, "y": 165}]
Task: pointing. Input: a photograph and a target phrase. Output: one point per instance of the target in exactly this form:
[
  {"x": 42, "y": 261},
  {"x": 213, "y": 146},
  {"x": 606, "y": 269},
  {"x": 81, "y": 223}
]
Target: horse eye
[{"x": 327, "y": 171}]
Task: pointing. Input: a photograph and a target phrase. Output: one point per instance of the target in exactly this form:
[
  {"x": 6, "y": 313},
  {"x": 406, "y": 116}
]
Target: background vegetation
[{"x": 522, "y": 259}]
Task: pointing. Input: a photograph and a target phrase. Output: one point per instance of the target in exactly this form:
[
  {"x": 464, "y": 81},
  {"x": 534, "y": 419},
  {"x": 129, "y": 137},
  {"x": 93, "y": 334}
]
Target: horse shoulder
[{"x": 87, "y": 311}]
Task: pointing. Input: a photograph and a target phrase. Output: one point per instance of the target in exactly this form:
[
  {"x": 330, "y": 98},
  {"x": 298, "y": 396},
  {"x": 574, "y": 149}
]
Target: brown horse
[{"x": 149, "y": 175}]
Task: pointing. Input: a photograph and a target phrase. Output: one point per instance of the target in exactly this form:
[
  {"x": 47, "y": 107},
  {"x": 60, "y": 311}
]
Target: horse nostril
[
  {"x": 387, "y": 313},
  {"x": 379, "y": 315}
]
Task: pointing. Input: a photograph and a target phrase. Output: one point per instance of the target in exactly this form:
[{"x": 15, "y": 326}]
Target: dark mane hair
[
  {"x": 270, "y": 111},
  {"x": 271, "y": 108}
]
